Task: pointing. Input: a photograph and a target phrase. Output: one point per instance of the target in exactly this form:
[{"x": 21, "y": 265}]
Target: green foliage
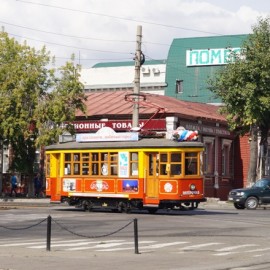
[
  {"x": 35, "y": 100},
  {"x": 244, "y": 86}
]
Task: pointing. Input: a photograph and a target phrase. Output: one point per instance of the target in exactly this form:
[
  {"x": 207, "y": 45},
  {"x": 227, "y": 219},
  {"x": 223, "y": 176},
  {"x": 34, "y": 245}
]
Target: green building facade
[{"x": 192, "y": 61}]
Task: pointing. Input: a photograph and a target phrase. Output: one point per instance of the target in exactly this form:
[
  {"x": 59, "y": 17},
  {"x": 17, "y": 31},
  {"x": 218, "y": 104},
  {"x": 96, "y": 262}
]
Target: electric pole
[{"x": 136, "y": 91}]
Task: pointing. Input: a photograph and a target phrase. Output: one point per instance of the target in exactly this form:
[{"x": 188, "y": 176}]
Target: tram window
[
  {"x": 104, "y": 156},
  {"x": 114, "y": 157},
  {"x": 171, "y": 164},
  {"x": 95, "y": 170},
  {"x": 176, "y": 157},
  {"x": 191, "y": 163},
  {"x": 76, "y": 157},
  {"x": 85, "y": 157},
  {"x": 95, "y": 163},
  {"x": 94, "y": 156},
  {"x": 85, "y": 164},
  {"x": 104, "y": 165},
  {"x": 114, "y": 169},
  {"x": 163, "y": 163},
  {"x": 48, "y": 165},
  {"x": 175, "y": 169},
  {"x": 104, "y": 168},
  {"x": 67, "y": 169},
  {"x": 163, "y": 157},
  {"x": 76, "y": 168},
  {"x": 163, "y": 169},
  {"x": 85, "y": 170},
  {"x": 134, "y": 163},
  {"x": 114, "y": 163},
  {"x": 67, "y": 157},
  {"x": 151, "y": 165}
]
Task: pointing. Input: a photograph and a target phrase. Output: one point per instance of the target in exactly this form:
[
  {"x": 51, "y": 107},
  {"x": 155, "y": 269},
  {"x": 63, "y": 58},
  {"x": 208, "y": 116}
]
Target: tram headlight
[{"x": 192, "y": 187}]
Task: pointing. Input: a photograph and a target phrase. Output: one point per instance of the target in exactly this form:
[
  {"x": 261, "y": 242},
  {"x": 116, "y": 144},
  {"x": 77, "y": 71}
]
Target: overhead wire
[
  {"x": 91, "y": 38},
  {"x": 65, "y": 35},
  {"x": 120, "y": 18}
]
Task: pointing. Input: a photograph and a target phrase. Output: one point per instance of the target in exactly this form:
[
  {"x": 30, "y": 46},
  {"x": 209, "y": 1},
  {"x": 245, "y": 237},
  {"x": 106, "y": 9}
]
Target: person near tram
[
  {"x": 14, "y": 184},
  {"x": 37, "y": 185}
]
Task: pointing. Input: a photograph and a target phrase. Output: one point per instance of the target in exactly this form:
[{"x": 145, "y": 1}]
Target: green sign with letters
[{"x": 211, "y": 57}]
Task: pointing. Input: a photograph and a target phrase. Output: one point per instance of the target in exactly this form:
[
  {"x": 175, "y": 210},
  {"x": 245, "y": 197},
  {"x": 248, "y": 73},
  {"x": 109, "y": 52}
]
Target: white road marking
[
  {"x": 121, "y": 245},
  {"x": 106, "y": 246},
  {"x": 235, "y": 247},
  {"x": 200, "y": 246},
  {"x": 161, "y": 245},
  {"x": 80, "y": 243}
]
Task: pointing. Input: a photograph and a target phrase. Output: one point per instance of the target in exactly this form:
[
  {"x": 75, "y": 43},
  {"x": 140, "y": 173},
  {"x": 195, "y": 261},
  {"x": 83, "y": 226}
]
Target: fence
[{"x": 49, "y": 221}]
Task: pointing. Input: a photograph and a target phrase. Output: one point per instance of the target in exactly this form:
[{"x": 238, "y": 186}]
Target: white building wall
[{"x": 152, "y": 78}]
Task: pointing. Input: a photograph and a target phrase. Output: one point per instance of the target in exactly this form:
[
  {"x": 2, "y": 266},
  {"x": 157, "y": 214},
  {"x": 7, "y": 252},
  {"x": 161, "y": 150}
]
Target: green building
[{"x": 192, "y": 61}]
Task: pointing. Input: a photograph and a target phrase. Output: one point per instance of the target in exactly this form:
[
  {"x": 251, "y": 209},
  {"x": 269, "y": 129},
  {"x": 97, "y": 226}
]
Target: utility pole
[{"x": 136, "y": 91}]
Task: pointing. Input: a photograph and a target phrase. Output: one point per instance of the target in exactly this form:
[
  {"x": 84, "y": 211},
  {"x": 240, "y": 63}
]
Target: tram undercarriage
[{"x": 126, "y": 205}]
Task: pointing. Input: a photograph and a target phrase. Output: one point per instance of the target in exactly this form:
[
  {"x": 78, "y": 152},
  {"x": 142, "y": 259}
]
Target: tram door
[
  {"x": 152, "y": 167},
  {"x": 55, "y": 178}
]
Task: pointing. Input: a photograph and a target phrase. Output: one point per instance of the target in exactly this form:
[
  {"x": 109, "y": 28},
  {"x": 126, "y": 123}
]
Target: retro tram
[{"x": 124, "y": 172}]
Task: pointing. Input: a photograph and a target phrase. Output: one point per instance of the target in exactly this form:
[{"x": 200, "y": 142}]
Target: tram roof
[{"x": 142, "y": 143}]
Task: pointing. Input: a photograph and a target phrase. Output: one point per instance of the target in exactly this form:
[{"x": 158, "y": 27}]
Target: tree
[
  {"x": 244, "y": 88},
  {"x": 35, "y": 100}
]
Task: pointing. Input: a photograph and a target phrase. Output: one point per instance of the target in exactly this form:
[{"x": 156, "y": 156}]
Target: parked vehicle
[{"x": 251, "y": 198}]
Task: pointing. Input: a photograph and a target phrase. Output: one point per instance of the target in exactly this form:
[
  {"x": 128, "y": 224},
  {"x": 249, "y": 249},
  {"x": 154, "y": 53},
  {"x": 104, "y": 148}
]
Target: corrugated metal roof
[{"x": 114, "y": 103}]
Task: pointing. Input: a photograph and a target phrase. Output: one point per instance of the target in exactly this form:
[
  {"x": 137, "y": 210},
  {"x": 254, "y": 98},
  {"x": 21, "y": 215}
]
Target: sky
[{"x": 98, "y": 31}]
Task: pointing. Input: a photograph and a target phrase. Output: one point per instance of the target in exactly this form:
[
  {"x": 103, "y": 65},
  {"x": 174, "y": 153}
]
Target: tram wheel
[
  {"x": 152, "y": 210},
  {"x": 123, "y": 208},
  {"x": 87, "y": 206},
  {"x": 193, "y": 206}
]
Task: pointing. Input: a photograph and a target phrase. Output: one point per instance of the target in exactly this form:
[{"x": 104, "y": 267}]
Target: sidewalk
[
  {"x": 12, "y": 201},
  {"x": 216, "y": 202}
]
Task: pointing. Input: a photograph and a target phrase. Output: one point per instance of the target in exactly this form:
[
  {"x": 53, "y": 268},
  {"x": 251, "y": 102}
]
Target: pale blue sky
[{"x": 105, "y": 30}]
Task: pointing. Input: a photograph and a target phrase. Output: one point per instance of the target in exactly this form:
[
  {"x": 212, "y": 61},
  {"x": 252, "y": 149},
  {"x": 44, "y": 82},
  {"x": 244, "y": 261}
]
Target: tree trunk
[
  {"x": 252, "y": 171},
  {"x": 263, "y": 148}
]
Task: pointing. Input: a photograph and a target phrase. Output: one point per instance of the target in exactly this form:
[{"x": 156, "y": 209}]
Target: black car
[{"x": 251, "y": 198}]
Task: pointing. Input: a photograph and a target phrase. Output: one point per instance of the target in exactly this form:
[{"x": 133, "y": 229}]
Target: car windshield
[{"x": 262, "y": 183}]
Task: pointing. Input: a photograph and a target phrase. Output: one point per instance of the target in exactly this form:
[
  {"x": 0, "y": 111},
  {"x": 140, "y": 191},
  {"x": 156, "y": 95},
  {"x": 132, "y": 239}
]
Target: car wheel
[
  {"x": 251, "y": 203},
  {"x": 239, "y": 206}
]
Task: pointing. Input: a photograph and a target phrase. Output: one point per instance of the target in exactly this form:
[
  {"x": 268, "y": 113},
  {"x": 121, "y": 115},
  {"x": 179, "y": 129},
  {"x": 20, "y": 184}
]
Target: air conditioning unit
[
  {"x": 156, "y": 70},
  {"x": 145, "y": 70}
]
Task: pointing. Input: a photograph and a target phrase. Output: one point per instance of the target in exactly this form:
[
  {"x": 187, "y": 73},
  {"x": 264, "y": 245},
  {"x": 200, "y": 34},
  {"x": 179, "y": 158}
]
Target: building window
[
  {"x": 226, "y": 157},
  {"x": 179, "y": 87},
  {"x": 208, "y": 157}
]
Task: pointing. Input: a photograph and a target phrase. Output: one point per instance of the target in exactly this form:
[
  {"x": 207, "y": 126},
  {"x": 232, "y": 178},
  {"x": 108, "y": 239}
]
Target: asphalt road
[{"x": 215, "y": 236}]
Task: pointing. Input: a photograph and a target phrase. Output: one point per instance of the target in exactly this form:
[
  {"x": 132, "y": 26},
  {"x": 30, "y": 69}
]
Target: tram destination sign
[
  {"x": 211, "y": 57},
  {"x": 107, "y": 134}
]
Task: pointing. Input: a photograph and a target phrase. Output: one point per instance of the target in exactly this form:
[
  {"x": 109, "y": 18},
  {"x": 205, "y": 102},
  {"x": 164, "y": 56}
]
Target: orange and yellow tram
[{"x": 150, "y": 174}]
